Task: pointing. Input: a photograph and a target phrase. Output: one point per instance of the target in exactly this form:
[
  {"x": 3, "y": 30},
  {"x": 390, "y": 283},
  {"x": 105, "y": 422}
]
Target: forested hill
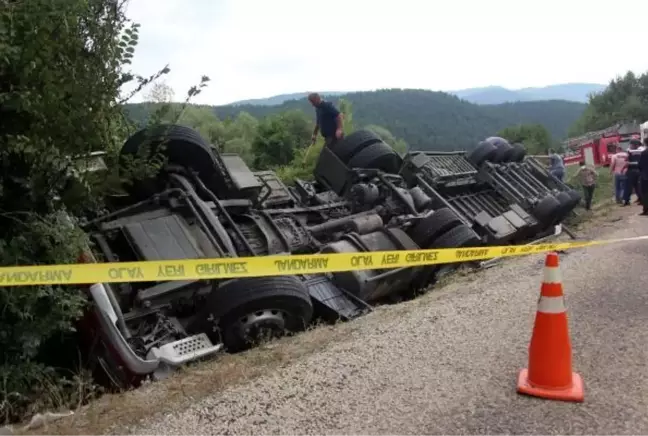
[{"x": 426, "y": 120}]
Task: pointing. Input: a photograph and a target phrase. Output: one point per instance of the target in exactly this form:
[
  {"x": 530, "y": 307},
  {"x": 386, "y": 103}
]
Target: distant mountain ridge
[
  {"x": 281, "y": 98},
  {"x": 577, "y": 92}
]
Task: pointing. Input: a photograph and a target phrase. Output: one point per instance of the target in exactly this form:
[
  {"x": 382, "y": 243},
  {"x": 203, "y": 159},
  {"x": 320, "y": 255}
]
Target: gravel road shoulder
[{"x": 444, "y": 363}]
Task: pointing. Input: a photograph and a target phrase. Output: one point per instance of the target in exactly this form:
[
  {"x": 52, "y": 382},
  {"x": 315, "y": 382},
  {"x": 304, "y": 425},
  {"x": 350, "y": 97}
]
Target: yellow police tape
[{"x": 205, "y": 269}]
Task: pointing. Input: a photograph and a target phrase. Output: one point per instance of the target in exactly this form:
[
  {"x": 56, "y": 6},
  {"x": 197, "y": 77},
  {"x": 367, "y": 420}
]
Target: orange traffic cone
[{"x": 549, "y": 374}]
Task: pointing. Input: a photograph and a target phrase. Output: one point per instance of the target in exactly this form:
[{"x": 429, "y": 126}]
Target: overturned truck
[{"x": 364, "y": 197}]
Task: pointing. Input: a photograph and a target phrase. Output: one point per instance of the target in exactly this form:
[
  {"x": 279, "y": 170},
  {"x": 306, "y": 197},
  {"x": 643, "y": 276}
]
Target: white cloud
[{"x": 258, "y": 48}]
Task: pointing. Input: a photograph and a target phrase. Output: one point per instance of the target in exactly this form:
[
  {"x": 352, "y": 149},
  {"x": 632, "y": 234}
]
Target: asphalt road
[{"x": 448, "y": 362}]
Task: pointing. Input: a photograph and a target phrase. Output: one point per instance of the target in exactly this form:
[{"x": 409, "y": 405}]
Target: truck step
[{"x": 185, "y": 350}]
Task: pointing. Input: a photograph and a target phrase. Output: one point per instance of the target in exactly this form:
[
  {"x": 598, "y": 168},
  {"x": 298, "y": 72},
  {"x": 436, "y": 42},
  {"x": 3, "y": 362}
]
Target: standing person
[
  {"x": 587, "y": 177},
  {"x": 643, "y": 177},
  {"x": 632, "y": 172},
  {"x": 618, "y": 171},
  {"x": 328, "y": 120},
  {"x": 556, "y": 165}
]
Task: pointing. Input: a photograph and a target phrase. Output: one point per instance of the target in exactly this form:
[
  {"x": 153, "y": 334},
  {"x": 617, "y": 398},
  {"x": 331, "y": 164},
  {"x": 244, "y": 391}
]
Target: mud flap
[{"x": 333, "y": 302}]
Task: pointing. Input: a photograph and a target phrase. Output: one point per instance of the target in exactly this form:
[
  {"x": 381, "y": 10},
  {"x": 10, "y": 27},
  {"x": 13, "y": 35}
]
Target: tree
[
  {"x": 62, "y": 67},
  {"x": 160, "y": 92},
  {"x": 346, "y": 108},
  {"x": 398, "y": 145},
  {"x": 278, "y": 137},
  {"x": 535, "y": 137},
  {"x": 625, "y": 99}
]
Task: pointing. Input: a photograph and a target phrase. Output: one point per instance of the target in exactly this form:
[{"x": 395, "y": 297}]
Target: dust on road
[{"x": 448, "y": 362}]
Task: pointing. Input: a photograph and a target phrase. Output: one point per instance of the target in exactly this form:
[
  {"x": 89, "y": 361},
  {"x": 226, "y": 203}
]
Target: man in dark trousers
[
  {"x": 632, "y": 174},
  {"x": 587, "y": 176},
  {"x": 328, "y": 122},
  {"x": 643, "y": 177}
]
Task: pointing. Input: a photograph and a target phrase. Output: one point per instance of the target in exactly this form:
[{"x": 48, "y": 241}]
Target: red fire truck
[{"x": 597, "y": 148}]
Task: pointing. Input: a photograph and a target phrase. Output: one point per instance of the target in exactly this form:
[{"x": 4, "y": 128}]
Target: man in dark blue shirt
[
  {"x": 328, "y": 120},
  {"x": 632, "y": 174},
  {"x": 643, "y": 177}
]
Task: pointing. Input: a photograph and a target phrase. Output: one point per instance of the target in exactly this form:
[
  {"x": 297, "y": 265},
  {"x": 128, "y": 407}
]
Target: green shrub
[{"x": 34, "y": 315}]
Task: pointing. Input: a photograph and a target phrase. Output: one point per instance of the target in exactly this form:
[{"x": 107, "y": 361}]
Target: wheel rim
[{"x": 262, "y": 325}]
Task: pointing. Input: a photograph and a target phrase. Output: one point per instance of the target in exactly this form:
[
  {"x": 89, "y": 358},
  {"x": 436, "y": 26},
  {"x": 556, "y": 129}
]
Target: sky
[{"x": 261, "y": 48}]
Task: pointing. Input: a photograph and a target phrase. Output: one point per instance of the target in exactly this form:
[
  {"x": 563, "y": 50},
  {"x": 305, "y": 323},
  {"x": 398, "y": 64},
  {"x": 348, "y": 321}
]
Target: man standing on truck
[
  {"x": 618, "y": 171},
  {"x": 556, "y": 165},
  {"x": 632, "y": 172},
  {"x": 328, "y": 120}
]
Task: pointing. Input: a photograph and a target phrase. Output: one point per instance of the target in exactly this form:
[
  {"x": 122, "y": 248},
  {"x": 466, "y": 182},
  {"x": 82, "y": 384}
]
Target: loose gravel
[{"x": 448, "y": 362}]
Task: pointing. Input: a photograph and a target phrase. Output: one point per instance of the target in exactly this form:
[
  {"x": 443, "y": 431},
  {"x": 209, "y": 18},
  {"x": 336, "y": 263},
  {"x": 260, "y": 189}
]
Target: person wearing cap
[
  {"x": 328, "y": 120},
  {"x": 643, "y": 177},
  {"x": 632, "y": 172}
]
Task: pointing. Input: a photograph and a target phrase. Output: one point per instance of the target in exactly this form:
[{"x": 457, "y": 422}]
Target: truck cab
[
  {"x": 599, "y": 151},
  {"x": 597, "y": 148}
]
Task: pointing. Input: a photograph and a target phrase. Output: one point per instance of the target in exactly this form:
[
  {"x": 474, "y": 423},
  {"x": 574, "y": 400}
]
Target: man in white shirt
[{"x": 618, "y": 171}]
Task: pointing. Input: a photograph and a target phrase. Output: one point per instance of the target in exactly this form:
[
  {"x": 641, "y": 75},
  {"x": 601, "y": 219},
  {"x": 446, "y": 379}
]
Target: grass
[{"x": 112, "y": 413}]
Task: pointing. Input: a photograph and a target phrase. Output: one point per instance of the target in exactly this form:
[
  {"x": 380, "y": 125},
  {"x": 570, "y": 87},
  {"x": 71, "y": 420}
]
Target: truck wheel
[
  {"x": 430, "y": 227},
  {"x": 566, "y": 205},
  {"x": 378, "y": 156},
  {"x": 504, "y": 152},
  {"x": 250, "y": 310},
  {"x": 575, "y": 196},
  {"x": 485, "y": 151},
  {"x": 497, "y": 141},
  {"x": 180, "y": 145},
  {"x": 349, "y": 146},
  {"x": 547, "y": 210},
  {"x": 460, "y": 236},
  {"x": 518, "y": 153}
]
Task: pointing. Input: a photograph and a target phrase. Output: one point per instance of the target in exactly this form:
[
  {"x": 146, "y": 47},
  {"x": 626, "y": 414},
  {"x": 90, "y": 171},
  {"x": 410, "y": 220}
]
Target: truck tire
[
  {"x": 518, "y": 153},
  {"x": 485, "y": 151},
  {"x": 497, "y": 141},
  {"x": 432, "y": 226},
  {"x": 575, "y": 196},
  {"x": 378, "y": 156},
  {"x": 546, "y": 210},
  {"x": 350, "y": 145},
  {"x": 251, "y": 309},
  {"x": 460, "y": 236},
  {"x": 183, "y": 146},
  {"x": 504, "y": 152},
  {"x": 566, "y": 205}
]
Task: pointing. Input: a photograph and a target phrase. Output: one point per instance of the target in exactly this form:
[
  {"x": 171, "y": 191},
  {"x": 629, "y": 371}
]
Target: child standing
[{"x": 587, "y": 177}]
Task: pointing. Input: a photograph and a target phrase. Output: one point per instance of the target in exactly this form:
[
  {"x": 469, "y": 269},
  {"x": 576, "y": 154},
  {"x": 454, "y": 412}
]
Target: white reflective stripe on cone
[
  {"x": 551, "y": 305},
  {"x": 552, "y": 274}
]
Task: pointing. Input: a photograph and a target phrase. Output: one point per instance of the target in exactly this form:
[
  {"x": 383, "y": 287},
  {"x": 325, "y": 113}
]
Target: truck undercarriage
[{"x": 364, "y": 198}]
